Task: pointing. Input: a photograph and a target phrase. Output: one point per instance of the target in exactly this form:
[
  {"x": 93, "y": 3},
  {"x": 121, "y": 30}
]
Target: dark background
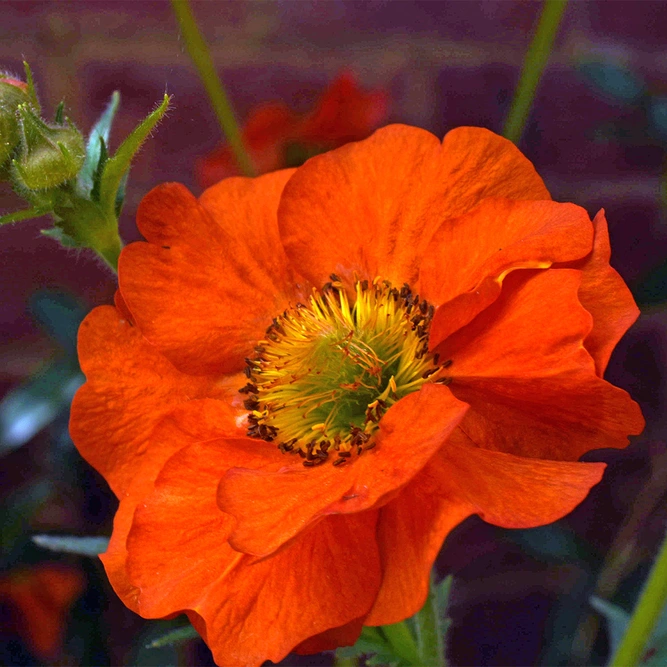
[{"x": 518, "y": 596}]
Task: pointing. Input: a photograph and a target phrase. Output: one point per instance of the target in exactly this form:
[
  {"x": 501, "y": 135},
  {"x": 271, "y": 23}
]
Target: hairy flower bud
[
  {"x": 12, "y": 93},
  {"x": 49, "y": 155}
]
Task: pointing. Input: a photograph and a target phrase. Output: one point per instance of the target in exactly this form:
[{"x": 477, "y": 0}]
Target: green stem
[
  {"x": 646, "y": 614},
  {"x": 533, "y": 66},
  {"x": 201, "y": 57},
  {"x": 430, "y": 642}
]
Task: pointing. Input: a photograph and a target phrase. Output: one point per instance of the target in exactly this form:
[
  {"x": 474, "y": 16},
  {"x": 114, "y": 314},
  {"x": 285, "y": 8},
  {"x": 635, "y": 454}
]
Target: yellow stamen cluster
[{"x": 327, "y": 371}]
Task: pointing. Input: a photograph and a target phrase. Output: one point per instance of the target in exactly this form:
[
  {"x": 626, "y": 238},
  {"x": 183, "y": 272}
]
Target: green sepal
[
  {"x": 117, "y": 166},
  {"x": 101, "y": 131},
  {"x": 30, "y": 82},
  {"x": 61, "y": 236},
  {"x": 70, "y": 544},
  {"x": 99, "y": 169},
  {"x": 60, "y": 113}
]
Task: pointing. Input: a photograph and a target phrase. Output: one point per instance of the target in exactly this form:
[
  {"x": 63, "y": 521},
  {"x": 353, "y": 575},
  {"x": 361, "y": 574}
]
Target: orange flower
[
  {"x": 276, "y": 137},
  {"x": 451, "y": 365},
  {"x": 42, "y": 596}
]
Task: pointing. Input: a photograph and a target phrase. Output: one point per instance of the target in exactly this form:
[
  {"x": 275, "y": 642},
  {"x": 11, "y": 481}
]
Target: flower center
[{"x": 327, "y": 371}]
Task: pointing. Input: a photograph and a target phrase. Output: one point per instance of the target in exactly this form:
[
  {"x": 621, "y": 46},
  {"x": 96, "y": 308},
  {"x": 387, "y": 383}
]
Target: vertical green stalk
[
  {"x": 533, "y": 66},
  {"x": 201, "y": 58},
  {"x": 646, "y": 614}
]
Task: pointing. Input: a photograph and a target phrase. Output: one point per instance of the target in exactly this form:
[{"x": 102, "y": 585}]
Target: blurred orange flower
[
  {"x": 41, "y": 597},
  {"x": 438, "y": 330},
  {"x": 276, "y": 137}
]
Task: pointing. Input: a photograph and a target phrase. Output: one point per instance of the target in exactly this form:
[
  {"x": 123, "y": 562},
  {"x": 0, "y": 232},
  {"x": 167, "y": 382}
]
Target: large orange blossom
[{"x": 419, "y": 334}]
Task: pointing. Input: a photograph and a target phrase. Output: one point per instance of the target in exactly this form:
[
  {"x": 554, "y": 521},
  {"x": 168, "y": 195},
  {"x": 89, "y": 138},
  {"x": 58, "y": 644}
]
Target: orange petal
[
  {"x": 515, "y": 492},
  {"x": 329, "y": 640},
  {"x": 373, "y": 206},
  {"x": 531, "y": 385},
  {"x": 178, "y": 559},
  {"x": 212, "y": 276},
  {"x": 606, "y": 297},
  {"x": 274, "y": 506},
  {"x": 194, "y": 421},
  {"x": 130, "y": 387},
  {"x": 469, "y": 257},
  {"x": 411, "y": 530}
]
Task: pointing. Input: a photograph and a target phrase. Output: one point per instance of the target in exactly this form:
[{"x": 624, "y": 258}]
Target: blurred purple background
[{"x": 444, "y": 64}]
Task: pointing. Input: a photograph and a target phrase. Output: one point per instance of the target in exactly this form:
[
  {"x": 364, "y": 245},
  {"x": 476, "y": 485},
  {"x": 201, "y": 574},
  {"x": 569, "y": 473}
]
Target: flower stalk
[
  {"x": 646, "y": 614},
  {"x": 533, "y": 66},
  {"x": 201, "y": 59}
]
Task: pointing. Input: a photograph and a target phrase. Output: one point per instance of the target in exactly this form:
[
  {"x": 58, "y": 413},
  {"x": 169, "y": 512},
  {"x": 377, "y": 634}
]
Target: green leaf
[
  {"x": 70, "y": 544},
  {"x": 119, "y": 164},
  {"x": 177, "y": 636},
  {"x": 23, "y": 214},
  {"x": 101, "y": 131},
  {"x": 28, "y": 408}
]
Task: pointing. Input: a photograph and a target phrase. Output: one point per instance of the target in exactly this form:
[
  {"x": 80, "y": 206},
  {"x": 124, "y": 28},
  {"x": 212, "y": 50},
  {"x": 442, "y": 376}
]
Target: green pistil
[{"x": 327, "y": 371}]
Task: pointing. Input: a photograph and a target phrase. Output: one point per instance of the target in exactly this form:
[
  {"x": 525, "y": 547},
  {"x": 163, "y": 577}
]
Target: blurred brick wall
[{"x": 445, "y": 63}]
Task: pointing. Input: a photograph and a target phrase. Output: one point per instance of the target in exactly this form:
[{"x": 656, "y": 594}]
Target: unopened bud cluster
[{"x": 36, "y": 155}]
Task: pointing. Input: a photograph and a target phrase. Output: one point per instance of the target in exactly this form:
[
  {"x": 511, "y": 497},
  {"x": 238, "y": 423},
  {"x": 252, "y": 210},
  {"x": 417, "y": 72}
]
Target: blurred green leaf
[
  {"x": 176, "y": 636},
  {"x": 17, "y": 510},
  {"x": 613, "y": 80},
  {"x": 70, "y": 544},
  {"x": 657, "y": 113},
  {"x": 100, "y": 133},
  {"x": 555, "y": 543},
  {"x": 60, "y": 314},
  {"x": 653, "y": 288},
  {"x": 166, "y": 655},
  {"x": 31, "y": 406},
  {"x": 617, "y": 621}
]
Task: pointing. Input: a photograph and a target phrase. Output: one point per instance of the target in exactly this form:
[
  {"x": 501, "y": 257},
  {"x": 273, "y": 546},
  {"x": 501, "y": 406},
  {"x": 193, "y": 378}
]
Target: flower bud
[
  {"x": 12, "y": 93},
  {"x": 49, "y": 155}
]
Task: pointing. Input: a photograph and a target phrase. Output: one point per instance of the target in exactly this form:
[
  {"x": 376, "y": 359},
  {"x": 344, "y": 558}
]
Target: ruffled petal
[
  {"x": 372, "y": 207},
  {"x": 329, "y": 640},
  {"x": 411, "y": 530},
  {"x": 188, "y": 423},
  {"x": 469, "y": 257},
  {"x": 130, "y": 387},
  {"x": 531, "y": 385},
  {"x": 606, "y": 297},
  {"x": 178, "y": 559},
  {"x": 273, "y": 506},
  {"x": 512, "y": 491},
  {"x": 212, "y": 275}
]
